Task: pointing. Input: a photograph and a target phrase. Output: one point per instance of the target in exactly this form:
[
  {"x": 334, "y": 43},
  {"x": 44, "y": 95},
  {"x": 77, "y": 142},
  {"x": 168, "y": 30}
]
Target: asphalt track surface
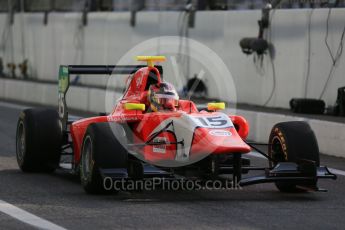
[{"x": 59, "y": 199}]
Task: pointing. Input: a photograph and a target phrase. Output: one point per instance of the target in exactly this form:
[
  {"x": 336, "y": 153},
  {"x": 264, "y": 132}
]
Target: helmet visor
[{"x": 167, "y": 100}]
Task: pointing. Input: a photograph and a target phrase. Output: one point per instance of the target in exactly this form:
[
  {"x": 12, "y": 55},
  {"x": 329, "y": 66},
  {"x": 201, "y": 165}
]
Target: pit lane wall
[
  {"x": 330, "y": 135},
  {"x": 108, "y": 36}
]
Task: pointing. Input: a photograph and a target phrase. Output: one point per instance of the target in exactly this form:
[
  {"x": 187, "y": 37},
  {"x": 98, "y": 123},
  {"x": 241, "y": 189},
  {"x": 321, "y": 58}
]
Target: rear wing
[{"x": 64, "y": 80}]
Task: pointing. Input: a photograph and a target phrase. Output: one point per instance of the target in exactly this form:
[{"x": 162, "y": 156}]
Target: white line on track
[
  {"x": 22, "y": 107},
  {"x": 18, "y": 213},
  {"x": 332, "y": 170},
  {"x": 27, "y": 217},
  {"x": 12, "y": 105}
]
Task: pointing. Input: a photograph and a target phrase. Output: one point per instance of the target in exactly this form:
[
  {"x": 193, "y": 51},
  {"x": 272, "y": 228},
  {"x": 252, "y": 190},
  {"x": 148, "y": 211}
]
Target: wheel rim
[
  {"x": 277, "y": 151},
  {"x": 20, "y": 142},
  {"x": 86, "y": 157}
]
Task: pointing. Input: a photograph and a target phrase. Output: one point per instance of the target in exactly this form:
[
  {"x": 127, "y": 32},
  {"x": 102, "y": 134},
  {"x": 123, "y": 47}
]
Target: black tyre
[
  {"x": 38, "y": 140},
  {"x": 293, "y": 141},
  {"x": 103, "y": 147}
]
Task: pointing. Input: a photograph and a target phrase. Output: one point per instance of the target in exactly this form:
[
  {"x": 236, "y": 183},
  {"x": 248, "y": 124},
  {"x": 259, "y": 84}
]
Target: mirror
[
  {"x": 216, "y": 106},
  {"x": 134, "y": 106}
]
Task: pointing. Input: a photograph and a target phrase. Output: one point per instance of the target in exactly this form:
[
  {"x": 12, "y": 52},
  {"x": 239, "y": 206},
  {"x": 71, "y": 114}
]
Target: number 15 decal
[{"x": 220, "y": 121}]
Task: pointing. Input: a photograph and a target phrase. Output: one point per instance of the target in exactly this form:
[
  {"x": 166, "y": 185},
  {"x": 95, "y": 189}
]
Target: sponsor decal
[
  {"x": 122, "y": 118},
  {"x": 220, "y": 133},
  {"x": 159, "y": 148}
]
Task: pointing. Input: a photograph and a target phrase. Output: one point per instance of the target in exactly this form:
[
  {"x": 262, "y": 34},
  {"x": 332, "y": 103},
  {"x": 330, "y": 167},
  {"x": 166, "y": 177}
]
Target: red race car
[{"x": 152, "y": 133}]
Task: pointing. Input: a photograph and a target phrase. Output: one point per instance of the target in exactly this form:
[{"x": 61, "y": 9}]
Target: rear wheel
[
  {"x": 102, "y": 149},
  {"x": 293, "y": 141},
  {"x": 38, "y": 140}
]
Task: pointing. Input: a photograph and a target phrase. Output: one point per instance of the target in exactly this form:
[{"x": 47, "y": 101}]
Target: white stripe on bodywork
[{"x": 184, "y": 128}]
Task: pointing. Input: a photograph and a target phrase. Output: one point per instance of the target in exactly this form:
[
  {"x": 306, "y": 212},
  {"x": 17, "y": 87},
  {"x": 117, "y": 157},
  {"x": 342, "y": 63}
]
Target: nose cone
[{"x": 217, "y": 141}]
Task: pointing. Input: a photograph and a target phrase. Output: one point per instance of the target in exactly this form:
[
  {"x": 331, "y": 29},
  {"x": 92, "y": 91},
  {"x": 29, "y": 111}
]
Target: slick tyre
[
  {"x": 38, "y": 140},
  {"x": 293, "y": 141},
  {"x": 102, "y": 149}
]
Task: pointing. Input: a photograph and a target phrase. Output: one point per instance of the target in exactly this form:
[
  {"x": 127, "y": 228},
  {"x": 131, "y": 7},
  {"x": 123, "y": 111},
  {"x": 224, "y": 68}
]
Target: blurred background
[{"x": 304, "y": 43}]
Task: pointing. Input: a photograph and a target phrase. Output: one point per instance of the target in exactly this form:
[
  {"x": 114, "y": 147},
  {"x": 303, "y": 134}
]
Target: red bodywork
[{"x": 143, "y": 124}]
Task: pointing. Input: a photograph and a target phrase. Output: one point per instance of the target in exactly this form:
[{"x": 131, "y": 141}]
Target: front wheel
[
  {"x": 290, "y": 142},
  {"x": 102, "y": 149},
  {"x": 90, "y": 176}
]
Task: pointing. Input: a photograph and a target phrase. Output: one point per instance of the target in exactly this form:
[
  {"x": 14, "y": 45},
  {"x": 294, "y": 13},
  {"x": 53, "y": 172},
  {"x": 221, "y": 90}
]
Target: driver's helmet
[{"x": 163, "y": 97}]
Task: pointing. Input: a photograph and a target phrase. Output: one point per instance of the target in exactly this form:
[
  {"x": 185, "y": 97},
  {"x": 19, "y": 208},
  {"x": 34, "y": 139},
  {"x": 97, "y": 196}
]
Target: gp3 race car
[{"x": 136, "y": 141}]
